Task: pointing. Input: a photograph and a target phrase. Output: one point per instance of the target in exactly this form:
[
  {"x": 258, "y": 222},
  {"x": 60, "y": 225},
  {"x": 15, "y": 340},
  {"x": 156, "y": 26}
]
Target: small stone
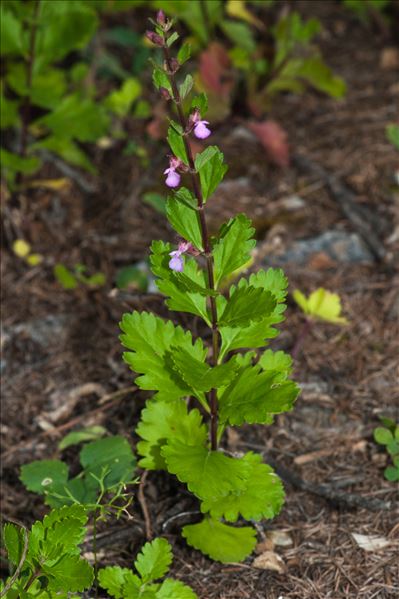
[{"x": 389, "y": 59}]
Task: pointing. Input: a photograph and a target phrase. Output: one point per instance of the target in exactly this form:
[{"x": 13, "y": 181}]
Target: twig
[
  {"x": 144, "y": 508},
  {"x": 23, "y": 556}
]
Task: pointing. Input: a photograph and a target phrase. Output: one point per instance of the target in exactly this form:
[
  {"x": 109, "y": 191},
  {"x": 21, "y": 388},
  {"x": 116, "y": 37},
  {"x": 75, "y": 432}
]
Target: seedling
[
  {"x": 388, "y": 436},
  {"x": 228, "y": 383},
  {"x": 72, "y": 279},
  {"x": 152, "y": 563}
]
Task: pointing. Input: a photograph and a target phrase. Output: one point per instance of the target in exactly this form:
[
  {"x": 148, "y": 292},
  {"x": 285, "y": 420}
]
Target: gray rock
[{"x": 340, "y": 246}]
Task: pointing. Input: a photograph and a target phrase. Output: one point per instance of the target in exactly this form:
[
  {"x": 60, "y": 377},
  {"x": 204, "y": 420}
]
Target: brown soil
[{"x": 60, "y": 345}]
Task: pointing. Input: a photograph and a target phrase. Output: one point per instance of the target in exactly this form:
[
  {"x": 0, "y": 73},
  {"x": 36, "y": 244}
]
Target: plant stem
[
  {"x": 32, "y": 579},
  {"x": 95, "y": 552},
  {"x": 213, "y": 402},
  {"x": 29, "y": 76},
  {"x": 305, "y": 330}
]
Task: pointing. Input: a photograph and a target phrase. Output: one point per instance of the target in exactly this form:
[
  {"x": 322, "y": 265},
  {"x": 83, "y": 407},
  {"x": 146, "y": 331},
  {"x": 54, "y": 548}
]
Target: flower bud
[
  {"x": 165, "y": 93},
  {"x": 174, "y": 65},
  {"x": 154, "y": 38},
  {"x": 161, "y": 18}
]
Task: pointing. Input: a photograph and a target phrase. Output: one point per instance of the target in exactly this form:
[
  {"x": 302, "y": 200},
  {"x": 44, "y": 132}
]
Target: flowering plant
[{"x": 230, "y": 383}]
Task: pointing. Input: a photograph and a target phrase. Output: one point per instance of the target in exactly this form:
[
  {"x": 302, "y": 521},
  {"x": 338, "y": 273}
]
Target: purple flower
[
  {"x": 176, "y": 263},
  {"x": 173, "y": 178},
  {"x": 201, "y": 130}
]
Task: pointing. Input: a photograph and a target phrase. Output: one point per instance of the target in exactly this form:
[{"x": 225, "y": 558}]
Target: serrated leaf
[
  {"x": 185, "y": 221},
  {"x": 184, "y": 53},
  {"x": 162, "y": 421},
  {"x": 232, "y": 250},
  {"x": 175, "y": 589},
  {"x": 219, "y": 541},
  {"x": 113, "y": 579},
  {"x": 176, "y": 143},
  {"x": 321, "y": 304},
  {"x": 69, "y": 573},
  {"x": 160, "y": 79},
  {"x": 13, "y": 537},
  {"x": 186, "y": 87},
  {"x": 262, "y": 496},
  {"x": 199, "y": 375},
  {"x": 277, "y": 362},
  {"x": 111, "y": 453},
  {"x": 246, "y": 305},
  {"x": 254, "y": 395},
  {"x": 85, "y": 434},
  {"x": 208, "y": 474},
  {"x": 151, "y": 340},
  {"x": 202, "y": 158},
  {"x": 41, "y": 475},
  {"x": 211, "y": 173},
  {"x": 187, "y": 291},
  {"x": 154, "y": 560}
]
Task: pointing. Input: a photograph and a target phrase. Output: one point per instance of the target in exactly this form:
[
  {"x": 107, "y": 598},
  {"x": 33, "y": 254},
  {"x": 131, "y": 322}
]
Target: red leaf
[
  {"x": 214, "y": 64},
  {"x": 274, "y": 139}
]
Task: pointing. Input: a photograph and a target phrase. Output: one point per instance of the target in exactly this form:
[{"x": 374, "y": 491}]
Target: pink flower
[
  {"x": 201, "y": 130},
  {"x": 176, "y": 263},
  {"x": 173, "y": 178}
]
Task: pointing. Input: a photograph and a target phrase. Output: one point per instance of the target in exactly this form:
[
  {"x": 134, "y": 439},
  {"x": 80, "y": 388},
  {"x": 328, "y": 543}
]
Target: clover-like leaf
[
  {"x": 207, "y": 473},
  {"x": 150, "y": 338},
  {"x": 162, "y": 421},
  {"x": 154, "y": 560},
  {"x": 321, "y": 305},
  {"x": 262, "y": 496},
  {"x": 232, "y": 250},
  {"x": 219, "y": 541}
]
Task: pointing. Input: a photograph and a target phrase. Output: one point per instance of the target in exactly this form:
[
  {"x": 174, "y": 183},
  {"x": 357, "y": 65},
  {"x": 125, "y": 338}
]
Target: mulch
[{"x": 61, "y": 349}]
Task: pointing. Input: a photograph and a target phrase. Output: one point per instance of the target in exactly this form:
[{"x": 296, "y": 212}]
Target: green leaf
[
  {"x": 239, "y": 33},
  {"x": 246, "y": 305},
  {"x": 46, "y": 89},
  {"x": 41, "y": 475},
  {"x": 392, "y": 133},
  {"x": 133, "y": 278},
  {"x": 255, "y": 334},
  {"x": 175, "y": 589},
  {"x": 201, "y": 102},
  {"x": 320, "y": 76},
  {"x": 232, "y": 250},
  {"x": 186, "y": 291},
  {"x": 63, "y": 26},
  {"x": 322, "y": 305},
  {"x": 65, "y": 277},
  {"x": 254, "y": 395},
  {"x": 186, "y": 87},
  {"x": 211, "y": 173},
  {"x": 121, "y": 100},
  {"x": 160, "y": 79},
  {"x": 154, "y": 560},
  {"x": 176, "y": 143},
  {"x": 202, "y": 158},
  {"x": 13, "y": 537},
  {"x": 162, "y": 421},
  {"x": 17, "y": 164},
  {"x": 151, "y": 340},
  {"x": 198, "y": 374},
  {"x": 184, "y": 53},
  {"x": 112, "y": 453},
  {"x": 262, "y": 496},
  {"x": 391, "y": 473},
  {"x": 382, "y": 435},
  {"x": 171, "y": 40},
  {"x": 277, "y": 362},
  {"x": 85, "y": 434},
  {"x": 185, "y": 221},
  {"x": 113, "y": 579},
  {"x": 208, "y": 474},
  {"x": 12, "y": 38},
  {"x": 70, "y": 573},
  {"x": 219, "y": 541},
  {"x": 66, "y": 149}
]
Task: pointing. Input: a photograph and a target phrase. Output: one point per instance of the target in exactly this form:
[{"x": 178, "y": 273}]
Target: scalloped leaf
[
  {"x": 232, "y": 250},
  {"x": 199, "y": 375},
  {"x": 219, "y": 541},
  {"x": 246, "y": 305},
  {"x": 175, "y": 589},
  {"x": 154, "y": 560}
]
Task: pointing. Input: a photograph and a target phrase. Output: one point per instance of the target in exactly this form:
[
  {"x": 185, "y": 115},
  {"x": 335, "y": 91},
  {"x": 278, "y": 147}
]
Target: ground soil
[{"x": 61, "y": 349}]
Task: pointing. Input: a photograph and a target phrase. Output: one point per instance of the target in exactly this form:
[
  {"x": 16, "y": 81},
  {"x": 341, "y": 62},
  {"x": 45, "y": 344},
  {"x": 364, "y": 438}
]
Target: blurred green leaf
[
  {"x": 8, "y": 112},
  {"x": 239, "y": 33},
  {"x": 121, "y": 100},
  {"x": 47, "y": 87},
  {"x": 66, "y": 149},
  {"x": 65, "y": 277},
  {"x": 382, "y": 435},
  {"x": 89, "y": 433},
  {"x": 156, "y": 200},
  {"x": 392, "y": 133},
  {"x": 17, "y": 164},
  {"x": 131, "y": 277},
  {"x": 12, "y": 38}
]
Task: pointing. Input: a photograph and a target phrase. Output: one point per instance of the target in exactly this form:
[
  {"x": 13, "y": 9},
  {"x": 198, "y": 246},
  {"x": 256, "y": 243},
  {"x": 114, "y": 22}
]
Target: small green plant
[
  {"x": 388, "y": 436},
  {"x": 71, "y": 279},
  {"x": 320, "y": 306},
  {"x": 107, "y": 467},
  {"x": 365, "y": 9},
  {"x": 229, "y": 383},
  {"x": 152, "y": 563},
  {"x": 46, "y": 560},
  {"x": 392, "y": 134}
]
